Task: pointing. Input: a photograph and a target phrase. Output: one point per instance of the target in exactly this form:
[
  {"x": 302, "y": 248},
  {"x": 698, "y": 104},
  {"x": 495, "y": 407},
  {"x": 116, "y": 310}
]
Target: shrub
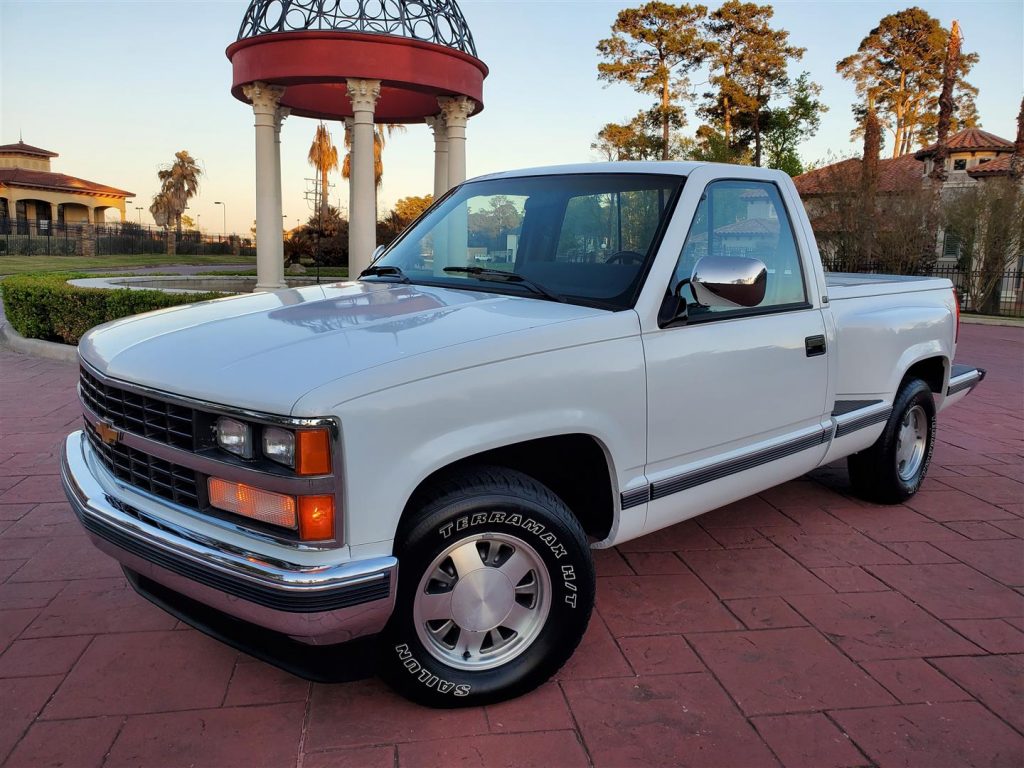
[{"x": 47, "y": 307}]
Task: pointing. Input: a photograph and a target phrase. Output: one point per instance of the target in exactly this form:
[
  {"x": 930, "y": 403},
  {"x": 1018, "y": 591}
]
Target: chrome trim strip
[
  {"x": 294, "y": 485},
  {"x": 861, "y": 422},
  {"x": 687, "y": 480},
  {"x": 635, "y": 497},
  {"x": 224, "y": 564}
]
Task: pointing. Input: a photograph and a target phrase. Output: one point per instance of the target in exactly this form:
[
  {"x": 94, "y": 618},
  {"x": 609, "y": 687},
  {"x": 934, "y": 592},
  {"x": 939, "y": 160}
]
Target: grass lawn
[{"x": 13, "y": 265}]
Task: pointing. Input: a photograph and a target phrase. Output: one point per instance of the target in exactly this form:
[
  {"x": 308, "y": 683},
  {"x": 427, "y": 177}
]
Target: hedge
[{"x": 45, "y": 307}]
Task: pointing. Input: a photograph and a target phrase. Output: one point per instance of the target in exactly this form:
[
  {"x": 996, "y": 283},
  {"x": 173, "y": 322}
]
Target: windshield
[{"x": 581, "y": 238}]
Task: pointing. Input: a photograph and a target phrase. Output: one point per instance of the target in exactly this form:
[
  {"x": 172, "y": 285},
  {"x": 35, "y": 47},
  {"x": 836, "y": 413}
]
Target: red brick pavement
[{"x": 799, "y": 627}]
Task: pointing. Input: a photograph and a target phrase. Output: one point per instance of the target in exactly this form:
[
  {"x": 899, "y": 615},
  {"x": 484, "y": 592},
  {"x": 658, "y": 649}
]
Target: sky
[{"x": 118, "y": 87}]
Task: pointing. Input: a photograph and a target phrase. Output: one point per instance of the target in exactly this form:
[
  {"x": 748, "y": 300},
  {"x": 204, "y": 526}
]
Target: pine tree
[
  {"x": 652, "y": 48},
  {"x": 901, "y": 62}
]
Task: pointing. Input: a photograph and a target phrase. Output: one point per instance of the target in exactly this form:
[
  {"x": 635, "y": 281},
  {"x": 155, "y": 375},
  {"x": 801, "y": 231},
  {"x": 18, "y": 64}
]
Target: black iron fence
[
  {"x": 989, "y": 291},
  {"x": 40, "y": 237}
]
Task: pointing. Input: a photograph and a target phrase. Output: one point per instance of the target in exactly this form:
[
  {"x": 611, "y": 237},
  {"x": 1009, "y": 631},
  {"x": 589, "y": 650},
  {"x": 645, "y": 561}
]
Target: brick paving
[{"x": 799, "y": 627}]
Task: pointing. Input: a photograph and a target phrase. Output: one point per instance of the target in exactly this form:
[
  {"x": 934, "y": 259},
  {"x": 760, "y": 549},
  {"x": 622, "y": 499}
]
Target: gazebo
[{"x": 362, "y": 62}]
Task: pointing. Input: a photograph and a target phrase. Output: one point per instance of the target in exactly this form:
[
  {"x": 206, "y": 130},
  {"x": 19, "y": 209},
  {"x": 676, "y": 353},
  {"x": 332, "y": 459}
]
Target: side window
[{"x": 745, "y": 219}]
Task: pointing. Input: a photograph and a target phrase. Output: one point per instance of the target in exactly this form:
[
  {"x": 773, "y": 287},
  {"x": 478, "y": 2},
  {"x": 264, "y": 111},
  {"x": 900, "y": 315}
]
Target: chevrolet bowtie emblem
[{"x": 107, "y": 433}]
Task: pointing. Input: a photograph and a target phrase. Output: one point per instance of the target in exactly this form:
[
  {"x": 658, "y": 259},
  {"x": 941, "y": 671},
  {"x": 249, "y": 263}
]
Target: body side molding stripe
[
  {"x": 685, "y": 481},
  {"x": 843, "y": 407},
  {"x": 862, "y": 422},
  {"x": 636, "y": 497}
]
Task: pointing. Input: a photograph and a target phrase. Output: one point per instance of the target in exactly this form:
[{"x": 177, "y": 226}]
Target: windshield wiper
[
  {"x": 500, "y": 276},
  {"x": 385, "y": 271}
]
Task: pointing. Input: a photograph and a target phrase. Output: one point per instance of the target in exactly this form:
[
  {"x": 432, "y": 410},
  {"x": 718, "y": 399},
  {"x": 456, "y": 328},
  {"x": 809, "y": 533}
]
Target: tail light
[{"x": 956, "y": 302}]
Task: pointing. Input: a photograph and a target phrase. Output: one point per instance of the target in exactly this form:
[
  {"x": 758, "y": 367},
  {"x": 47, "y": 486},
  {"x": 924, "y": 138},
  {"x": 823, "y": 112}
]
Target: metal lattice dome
[{"x": 432, "y": 21}]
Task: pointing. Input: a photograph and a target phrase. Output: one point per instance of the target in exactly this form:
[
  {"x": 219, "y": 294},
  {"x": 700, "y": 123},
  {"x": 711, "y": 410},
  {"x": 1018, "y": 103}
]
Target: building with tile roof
[
  {"x": 974, "y": 156},
  {"x": 34, "y": 196}
]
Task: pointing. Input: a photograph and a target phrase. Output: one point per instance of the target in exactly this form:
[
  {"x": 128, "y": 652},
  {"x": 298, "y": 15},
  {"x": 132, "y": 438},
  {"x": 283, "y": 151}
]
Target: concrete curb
[
  {"x": 48, "y": 349},
  {"x": 1009, "y": 322}
]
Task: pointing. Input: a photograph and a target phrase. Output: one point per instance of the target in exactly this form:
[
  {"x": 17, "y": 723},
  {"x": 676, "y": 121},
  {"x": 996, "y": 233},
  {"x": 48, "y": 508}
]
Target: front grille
[
  {"x": 148, "y": 473},
  {"x": 141, "y": 415}
]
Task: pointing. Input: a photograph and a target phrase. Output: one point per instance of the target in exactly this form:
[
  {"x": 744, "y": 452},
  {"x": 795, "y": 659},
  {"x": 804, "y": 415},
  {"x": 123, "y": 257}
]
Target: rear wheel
[
  {"x": 496, "y": 590},
  {"x": 892, "y": 470}
]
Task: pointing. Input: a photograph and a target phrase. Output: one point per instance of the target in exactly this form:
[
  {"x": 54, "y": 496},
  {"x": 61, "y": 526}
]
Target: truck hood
[{"x": 264, "y": 351}]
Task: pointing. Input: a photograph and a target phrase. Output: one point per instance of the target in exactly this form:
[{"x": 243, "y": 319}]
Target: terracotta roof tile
[
  {"x": 969, "y": 139},
  {"x": 897, "y": 174},
  {"x": 26, "y": 149},
  {"x": 999, "y": 166},
  {"x": 23, "y": 177}
]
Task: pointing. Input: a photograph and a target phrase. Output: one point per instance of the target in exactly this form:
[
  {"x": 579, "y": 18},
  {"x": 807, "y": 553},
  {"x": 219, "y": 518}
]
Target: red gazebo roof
[{"x": 417, "y": 50}]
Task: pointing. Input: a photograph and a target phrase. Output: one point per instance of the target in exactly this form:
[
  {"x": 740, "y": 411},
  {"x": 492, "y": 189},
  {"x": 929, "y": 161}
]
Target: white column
[
  {"x": 440, "y": 130},
  {"x": 362, "y": 206},
  {"x": 456, "y": 111},
  {"x": 269, "y": 240},
  {"x": 279, "y": 117}
]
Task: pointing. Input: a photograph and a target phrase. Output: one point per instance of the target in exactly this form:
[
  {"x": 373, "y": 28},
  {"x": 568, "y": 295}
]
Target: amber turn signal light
[
  {"x": 312, "y": 452},
  {"x": 254, "y": 503},
  {"x": 316, "y": 517}
]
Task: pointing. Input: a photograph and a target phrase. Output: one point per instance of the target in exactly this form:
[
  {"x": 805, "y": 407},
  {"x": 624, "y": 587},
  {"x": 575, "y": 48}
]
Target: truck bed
[{"x": 842, "y": 285}]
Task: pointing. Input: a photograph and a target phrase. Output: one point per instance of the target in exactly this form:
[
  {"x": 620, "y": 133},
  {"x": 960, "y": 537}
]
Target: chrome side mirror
[
  {"x": 723, "y": 281},
  {"x": 377, "y": 253}
]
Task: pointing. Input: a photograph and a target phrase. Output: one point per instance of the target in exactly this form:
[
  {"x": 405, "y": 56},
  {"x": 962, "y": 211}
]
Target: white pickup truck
[{"x": 547, "y": 361}]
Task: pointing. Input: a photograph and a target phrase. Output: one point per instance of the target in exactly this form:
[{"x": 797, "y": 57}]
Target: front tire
[
  {"x": 495, "y": 593},
  {"x": 892, "y": 470}
]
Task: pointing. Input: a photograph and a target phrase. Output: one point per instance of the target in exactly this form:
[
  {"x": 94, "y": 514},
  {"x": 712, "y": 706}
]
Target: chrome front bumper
[{"x": 316, "y": 605}]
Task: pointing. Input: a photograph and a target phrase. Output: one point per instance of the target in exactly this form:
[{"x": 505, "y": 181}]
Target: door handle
[{"x": 815, "y": 345}]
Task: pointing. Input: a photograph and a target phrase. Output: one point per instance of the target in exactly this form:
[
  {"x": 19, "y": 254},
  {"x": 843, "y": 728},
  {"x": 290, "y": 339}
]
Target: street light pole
[
  {"x": 139, "y": 209},
  {"x": 224, "y": 211}
]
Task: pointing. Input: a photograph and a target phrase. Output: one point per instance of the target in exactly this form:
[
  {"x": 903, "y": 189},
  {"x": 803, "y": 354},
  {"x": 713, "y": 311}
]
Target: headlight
[
  {"x": 279, "y": 445},
  {"x": 234, "y": 437}
]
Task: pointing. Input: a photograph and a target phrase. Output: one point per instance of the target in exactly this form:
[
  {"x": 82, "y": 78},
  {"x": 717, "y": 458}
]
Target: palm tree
[
  {"x": 323, "y": 156},
  {"x": 378, "y": 150},
  {"x": 179, "y": 182}
]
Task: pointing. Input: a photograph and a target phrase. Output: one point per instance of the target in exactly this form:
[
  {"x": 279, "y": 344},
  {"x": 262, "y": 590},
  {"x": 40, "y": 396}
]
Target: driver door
[{"x": 736, "y": 396}]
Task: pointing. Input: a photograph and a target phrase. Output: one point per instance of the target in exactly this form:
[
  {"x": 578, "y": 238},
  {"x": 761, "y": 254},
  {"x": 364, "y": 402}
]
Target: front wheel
[
  {"x": 495, "y": 592},
  {"x": 892, "y": 470}
]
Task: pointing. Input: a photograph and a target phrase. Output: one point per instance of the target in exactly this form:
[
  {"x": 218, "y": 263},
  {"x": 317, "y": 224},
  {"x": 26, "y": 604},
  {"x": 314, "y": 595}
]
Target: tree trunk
[
  {"x": 757, "y": 136},
  {"x": 938, "y": 176},
  {"x": 728, "y": 123},
  {"x": 323, "y": 196},
  {"x": 1017, "y": 158},
  {"x": 664, "y": 119},
  {"x": 869, "y": 184},
  {"x": 172, "y": 242},
  {"x": 901, "y": 117}
]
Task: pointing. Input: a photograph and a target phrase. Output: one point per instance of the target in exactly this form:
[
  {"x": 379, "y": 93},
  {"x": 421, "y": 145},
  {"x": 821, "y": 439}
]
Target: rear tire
[
  {"x": 892, "y": 470},
  {"x": 495, "y": 591}
]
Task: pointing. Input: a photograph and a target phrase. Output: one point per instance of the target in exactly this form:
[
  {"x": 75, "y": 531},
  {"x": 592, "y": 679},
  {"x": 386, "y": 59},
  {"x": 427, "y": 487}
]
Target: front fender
[{"x": 394, "y": 439}]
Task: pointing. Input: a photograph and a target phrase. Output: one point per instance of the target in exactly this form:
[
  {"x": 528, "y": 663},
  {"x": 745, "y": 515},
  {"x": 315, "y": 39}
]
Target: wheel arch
[
  {"x": 557, "y": 461},
  {"x": 933, "y": 371}
]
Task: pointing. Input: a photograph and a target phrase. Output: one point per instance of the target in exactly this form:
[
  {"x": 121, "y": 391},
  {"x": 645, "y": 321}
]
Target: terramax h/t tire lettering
[{"x": 495, "y": 591}]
